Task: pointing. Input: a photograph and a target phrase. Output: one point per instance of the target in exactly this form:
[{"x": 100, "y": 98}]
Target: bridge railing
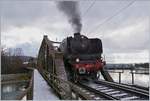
[{"x": 132, "y": 72}]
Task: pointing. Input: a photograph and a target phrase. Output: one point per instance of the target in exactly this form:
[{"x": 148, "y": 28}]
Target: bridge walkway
[{"x": 41, "y": 89}]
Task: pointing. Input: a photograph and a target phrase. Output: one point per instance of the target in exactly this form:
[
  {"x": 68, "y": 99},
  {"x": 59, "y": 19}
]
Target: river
[{"x": 126, "y": 77}]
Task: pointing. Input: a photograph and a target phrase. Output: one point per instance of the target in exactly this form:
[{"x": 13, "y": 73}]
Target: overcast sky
[{"x": 125, "y": 37}]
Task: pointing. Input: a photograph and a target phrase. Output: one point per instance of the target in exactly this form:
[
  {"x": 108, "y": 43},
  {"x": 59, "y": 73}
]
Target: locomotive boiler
[{"x": 82, "y": 57}]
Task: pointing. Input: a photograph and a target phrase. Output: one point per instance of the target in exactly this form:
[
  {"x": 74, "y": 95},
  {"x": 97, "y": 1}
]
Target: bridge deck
[{"x": 41, "y": 90}]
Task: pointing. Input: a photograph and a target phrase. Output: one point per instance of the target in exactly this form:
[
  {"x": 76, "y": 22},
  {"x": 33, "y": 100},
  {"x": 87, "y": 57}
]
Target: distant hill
[
  {"x": 26, "y": 58},
  {"x": 127, "y": 66},
  {"x": 23, "y": 58}
]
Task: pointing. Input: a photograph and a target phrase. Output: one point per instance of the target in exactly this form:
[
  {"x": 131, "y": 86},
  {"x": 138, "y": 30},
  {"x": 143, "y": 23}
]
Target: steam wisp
[{"x": 70, "y": 9}]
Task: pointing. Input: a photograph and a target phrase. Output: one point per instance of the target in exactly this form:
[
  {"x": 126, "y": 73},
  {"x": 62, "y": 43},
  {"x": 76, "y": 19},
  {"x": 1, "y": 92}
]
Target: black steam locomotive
[{"x": 82, "y": 56}]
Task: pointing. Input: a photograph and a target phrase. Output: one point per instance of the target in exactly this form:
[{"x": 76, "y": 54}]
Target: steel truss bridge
[{"x": 51, "y": 66}]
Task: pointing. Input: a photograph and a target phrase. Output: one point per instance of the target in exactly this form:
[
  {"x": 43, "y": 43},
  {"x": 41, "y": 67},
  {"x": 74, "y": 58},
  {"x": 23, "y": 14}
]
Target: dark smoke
[{"x": 70, "y": 9}]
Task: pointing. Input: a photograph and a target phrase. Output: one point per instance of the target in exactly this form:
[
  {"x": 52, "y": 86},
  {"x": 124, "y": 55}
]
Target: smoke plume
[{"x": 70, "y": 9}]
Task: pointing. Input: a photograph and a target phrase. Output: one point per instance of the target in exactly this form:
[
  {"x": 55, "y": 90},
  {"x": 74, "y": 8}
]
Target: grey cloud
[
  {"x": 135, "y": 41},
  {"x": 102, "y": 10},
  {"x": 137, "y": 12},
  {"x": 25, "y": 13},
  {"x": 71, "y": 10},
  {"x": 29, "y": 49},
  {"x": 44, "y": 14}
]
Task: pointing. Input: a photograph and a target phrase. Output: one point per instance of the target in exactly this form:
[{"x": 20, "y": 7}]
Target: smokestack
[
  {"x": 76, "y": 34},
  {"x": 70, "y": 9}
]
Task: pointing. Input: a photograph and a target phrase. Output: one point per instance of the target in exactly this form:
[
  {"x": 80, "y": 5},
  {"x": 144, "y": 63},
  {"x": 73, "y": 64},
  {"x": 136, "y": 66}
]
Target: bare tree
[
  {"x": 18, "y": 52},
  {"x": 11, "y": 61},
  {"x": 5, "y": 61}
]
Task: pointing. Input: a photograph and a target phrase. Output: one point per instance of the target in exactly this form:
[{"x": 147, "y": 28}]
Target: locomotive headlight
[{"x": 77, "y": 59}]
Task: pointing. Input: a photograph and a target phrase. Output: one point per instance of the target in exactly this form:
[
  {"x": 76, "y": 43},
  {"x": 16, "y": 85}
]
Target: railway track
[
  {"x": 114, "y": 91},
  {"x": 102, "y": 90}
]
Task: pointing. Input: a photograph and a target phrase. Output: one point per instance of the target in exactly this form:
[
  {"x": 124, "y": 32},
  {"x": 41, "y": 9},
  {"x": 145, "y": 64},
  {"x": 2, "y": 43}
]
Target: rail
[
  {"x": 144, "y": 94},
  {"x": 106, "y": 96},
  {"x": 116, "y": 91}
]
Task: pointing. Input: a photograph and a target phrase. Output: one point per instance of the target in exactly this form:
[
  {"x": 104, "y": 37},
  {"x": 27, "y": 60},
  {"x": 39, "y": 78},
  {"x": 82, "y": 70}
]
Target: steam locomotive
[{"x": 82, "y": 57}]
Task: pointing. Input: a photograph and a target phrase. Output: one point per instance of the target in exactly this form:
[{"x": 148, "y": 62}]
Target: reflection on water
[
  {"x": 126, "y": 77},
  {"x": 8, "y": 88},
  {"x": 12, "y": 91}
]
